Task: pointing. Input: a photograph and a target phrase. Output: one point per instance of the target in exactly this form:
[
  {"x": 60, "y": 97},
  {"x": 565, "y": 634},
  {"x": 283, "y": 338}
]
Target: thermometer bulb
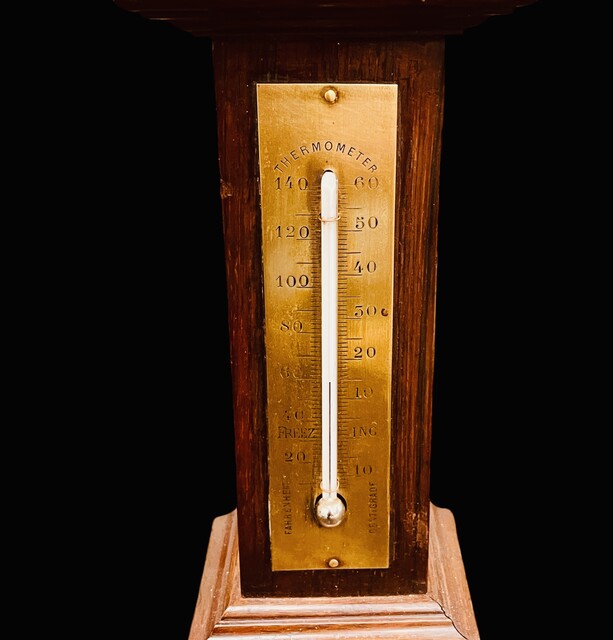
[{"x": 330, "y": 510}]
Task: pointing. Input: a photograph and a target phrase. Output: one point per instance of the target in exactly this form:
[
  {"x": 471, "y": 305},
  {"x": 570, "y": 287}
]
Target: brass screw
[{"x": 331, "y": 95}]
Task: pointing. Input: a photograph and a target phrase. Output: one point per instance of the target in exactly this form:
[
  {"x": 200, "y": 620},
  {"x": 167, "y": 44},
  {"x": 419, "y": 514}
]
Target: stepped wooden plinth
[{"x": 445, "y": 612}]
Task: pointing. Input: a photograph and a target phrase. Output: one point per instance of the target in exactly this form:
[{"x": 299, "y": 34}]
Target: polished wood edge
[
  {"x": 445, "y": 612},
  {"x": 219, "y": 580},
  {"x": 362, "y": 18},
  {"x": 447, "y": 583}
]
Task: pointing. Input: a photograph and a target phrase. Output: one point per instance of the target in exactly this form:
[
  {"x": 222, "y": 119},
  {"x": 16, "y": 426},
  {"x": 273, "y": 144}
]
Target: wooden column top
[{"x": 322, "y": 18}]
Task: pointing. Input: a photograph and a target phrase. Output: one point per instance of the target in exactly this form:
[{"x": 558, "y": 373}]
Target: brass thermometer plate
[{"x": 303, "y": 130}]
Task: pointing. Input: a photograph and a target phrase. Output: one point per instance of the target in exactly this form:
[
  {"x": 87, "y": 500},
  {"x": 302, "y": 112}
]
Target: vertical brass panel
[{"x": 303, "y": 130}]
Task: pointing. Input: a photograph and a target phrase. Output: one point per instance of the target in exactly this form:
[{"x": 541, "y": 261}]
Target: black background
[{"x": 163, "y": 319}]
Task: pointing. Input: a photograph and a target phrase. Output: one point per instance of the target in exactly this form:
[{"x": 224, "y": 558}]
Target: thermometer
[
  {"x": 330, "y": 506},
  {"x": 327, "y": 187}
]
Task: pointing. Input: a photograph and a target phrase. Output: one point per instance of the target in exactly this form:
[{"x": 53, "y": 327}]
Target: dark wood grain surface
[
  {"x": 417, "y": 67},
  {"x": 386, "y": 18}
]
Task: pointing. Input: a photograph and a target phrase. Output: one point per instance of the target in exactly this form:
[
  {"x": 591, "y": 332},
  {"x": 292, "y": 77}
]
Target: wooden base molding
[{"x": 445, "y": 612}]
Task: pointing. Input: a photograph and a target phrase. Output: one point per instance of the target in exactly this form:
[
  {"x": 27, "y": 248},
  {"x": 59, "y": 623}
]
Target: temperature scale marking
[{"x": 327, "y": 184}]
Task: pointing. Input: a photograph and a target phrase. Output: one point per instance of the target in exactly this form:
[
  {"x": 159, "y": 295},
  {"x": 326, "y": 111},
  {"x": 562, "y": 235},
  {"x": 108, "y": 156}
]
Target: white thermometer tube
[
  {"x": 329, "y": 337},
  {"x": 330, "y": 508}
]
